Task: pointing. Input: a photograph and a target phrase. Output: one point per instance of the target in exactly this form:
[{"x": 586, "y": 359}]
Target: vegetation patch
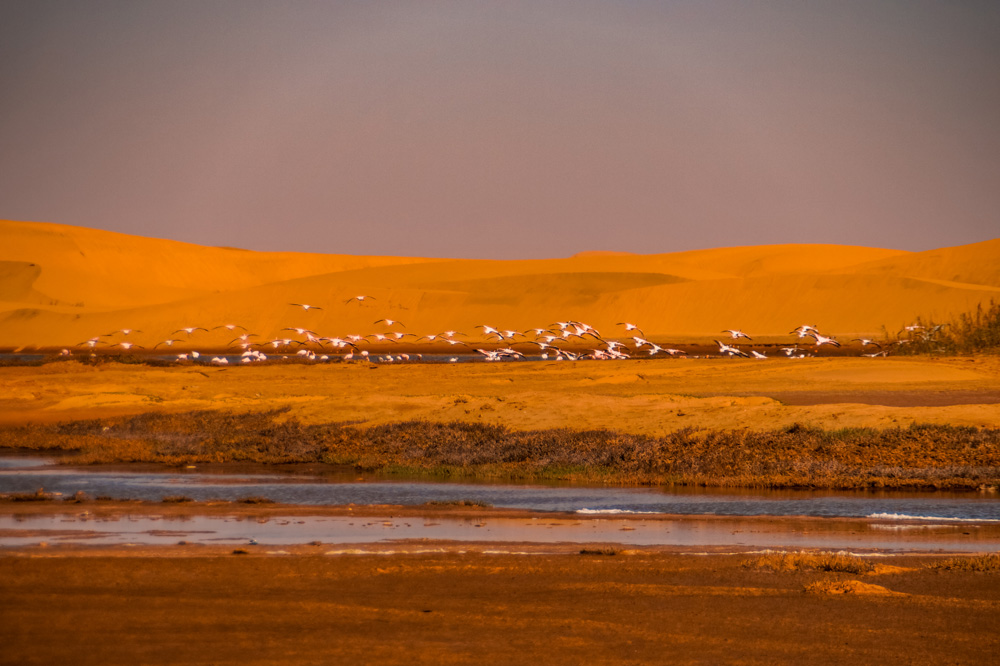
[
  {"x": 970, "y": 332},
  {"x": 851, "y": 587},
  {"x": 834, "y": 562},
  {"x": 989, "y": 563},
  {"x": 38, "y": 496},
  {"x": 915, "y": 457}
]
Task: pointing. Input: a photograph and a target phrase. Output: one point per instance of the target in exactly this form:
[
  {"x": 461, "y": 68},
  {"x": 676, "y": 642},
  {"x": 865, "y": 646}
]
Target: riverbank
[
  {"x": 925, "y": 457},
  {"x": 391, "y": 606},
  {"x": 817, "y": 423}
]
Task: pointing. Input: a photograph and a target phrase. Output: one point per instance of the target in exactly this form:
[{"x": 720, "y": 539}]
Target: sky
[{"x": 504, "y": 130}]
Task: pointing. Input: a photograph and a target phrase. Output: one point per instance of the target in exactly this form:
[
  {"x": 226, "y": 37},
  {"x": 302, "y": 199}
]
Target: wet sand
[{"x": 484, "y": 605}]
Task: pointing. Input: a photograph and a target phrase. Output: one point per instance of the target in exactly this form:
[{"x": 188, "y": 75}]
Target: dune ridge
[{"x": 60, "y": 285}]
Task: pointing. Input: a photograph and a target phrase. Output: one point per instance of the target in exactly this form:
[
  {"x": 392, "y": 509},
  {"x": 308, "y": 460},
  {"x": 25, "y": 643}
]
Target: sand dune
[{"x": 60, "y": 285}]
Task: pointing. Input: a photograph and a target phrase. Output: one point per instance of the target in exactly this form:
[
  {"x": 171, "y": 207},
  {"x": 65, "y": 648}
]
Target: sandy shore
[
  {"x": 448, "y": 602},
  {"x": 484, "y": 605}
]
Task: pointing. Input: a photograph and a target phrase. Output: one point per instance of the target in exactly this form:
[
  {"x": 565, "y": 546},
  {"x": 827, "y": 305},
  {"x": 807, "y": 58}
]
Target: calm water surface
[
  {"x": 955, "y": 523},
  {"x": 24, "y": 474}
]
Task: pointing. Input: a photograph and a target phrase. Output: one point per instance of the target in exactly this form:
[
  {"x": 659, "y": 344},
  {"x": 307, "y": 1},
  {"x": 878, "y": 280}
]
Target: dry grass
[
  {"x": 835, "y": 562},
  {"x": 916, "y": 457},
  {"x": 989, "y": 563}
]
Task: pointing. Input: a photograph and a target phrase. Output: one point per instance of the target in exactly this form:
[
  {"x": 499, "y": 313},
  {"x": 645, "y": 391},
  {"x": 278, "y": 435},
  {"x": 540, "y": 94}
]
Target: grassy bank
[{"x": 929, "y": 456}]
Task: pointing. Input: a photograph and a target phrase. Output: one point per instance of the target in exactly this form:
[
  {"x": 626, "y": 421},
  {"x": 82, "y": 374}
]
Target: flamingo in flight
[
  {"x": 732, "y": 351},
  {"x": 822, "y": 340},
  {"x": 189, "y": 330},
  {"x": 736, "y": 335},
  {"x": 306, "y": 306},
  {"x": 631, "y": 327}
]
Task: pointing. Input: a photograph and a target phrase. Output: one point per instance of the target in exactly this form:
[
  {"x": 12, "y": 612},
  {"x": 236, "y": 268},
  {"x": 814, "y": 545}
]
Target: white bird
[
  {"x": 489, "y": 330},
  {"x": 631, "y": 327},
  {"x": 736, "y": 335},
  {"x": 190, "y": 329},
  {"x": 390, "y": 322},
  {"x": 360, "y": 299},
  {"x": 168, "y": 343},
  {"x": 865, "y": 342},
  {"x": 732, "y": 351},
  {"x": 823, "y": 340},
  {"x": 641, "y": 342},
  {"x": 306, "y": 306},
  {"x": 231, "y": 327},
  {"x": 244, "y": 338},
  {"x": 804, "y": 330},
  {"x": 124, "y": 331},
  {"x": 757, "y": 354},
  {"x": 127, "y": 345}
]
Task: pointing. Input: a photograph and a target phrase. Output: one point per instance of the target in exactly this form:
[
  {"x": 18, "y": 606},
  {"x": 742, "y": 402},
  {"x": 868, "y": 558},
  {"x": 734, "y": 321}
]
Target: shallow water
[
  {"x": 85, "y": 528},
  {"x": 23, "y": 474}
]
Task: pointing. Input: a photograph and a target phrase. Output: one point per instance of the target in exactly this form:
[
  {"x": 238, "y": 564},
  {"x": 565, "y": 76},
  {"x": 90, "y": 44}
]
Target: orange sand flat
[
  {"x": 60, "y": 285},
  {"x": 495, "y": 605},
  {"x": 643, "y": 396}
]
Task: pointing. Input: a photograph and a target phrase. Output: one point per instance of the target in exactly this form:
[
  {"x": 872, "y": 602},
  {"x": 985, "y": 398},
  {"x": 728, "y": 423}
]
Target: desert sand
[
  {"x": 650, "y": 397},
  {"x": 61, "y": 285}
]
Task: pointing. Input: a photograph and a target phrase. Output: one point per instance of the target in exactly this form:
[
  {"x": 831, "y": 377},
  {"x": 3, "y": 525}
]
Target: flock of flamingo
[{"x": 495, "y": 343}]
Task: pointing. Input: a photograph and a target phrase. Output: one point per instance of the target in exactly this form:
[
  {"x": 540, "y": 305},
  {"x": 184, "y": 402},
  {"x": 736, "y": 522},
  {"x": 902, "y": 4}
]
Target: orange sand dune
[
  {"x": 60, "y": 285},
  {"x": 91, "y": 269}
]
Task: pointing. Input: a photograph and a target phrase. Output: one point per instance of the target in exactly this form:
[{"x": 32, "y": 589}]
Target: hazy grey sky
[{"x": 505, "y": 129}]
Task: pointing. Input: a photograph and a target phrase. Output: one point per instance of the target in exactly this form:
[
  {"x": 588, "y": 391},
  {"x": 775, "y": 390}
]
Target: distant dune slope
[
  {"x": 92, "y": 269},
  {"x": 60, "y": 285}
]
